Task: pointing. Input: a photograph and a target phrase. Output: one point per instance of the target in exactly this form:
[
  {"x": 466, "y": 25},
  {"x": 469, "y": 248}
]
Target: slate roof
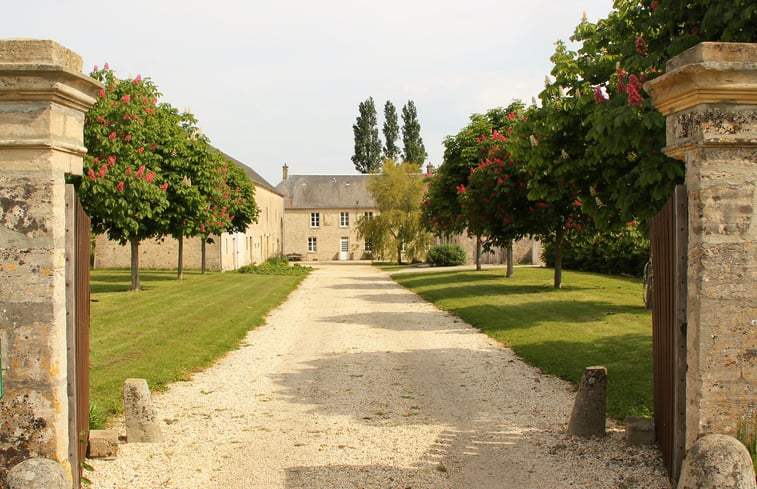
[
  {"x": 326, "y": 192},
  {"x": 254, "y": 176}
]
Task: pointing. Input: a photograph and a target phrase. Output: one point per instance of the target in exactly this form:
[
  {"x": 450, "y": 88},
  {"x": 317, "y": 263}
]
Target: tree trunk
[
  {"x": 510, "y": 264},
  {"x": 558, "y": 258},
  {"x": 180, "y": 274},
  {"x": 478, "y": 253},
  {"x": 202, "y": 248},
  {"x": 134, "y": 263},
  {"x": 399, "y": 254}
]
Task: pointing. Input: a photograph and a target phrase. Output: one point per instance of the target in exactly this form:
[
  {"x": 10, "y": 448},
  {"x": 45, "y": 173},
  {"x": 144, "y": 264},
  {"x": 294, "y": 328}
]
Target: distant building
[
  {"x": 261, "y": 240},
  {"x": 321, "y": 213}
]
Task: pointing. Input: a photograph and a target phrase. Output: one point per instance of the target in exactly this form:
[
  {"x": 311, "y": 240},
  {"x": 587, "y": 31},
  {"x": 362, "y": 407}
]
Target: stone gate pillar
[
  {"x": 709, "y": 96},
  {"x": 43, "y": 99}
]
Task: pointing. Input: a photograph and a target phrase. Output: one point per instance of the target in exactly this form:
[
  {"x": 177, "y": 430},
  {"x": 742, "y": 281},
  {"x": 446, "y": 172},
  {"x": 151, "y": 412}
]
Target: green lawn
[
  {"x": 593, "y": 320},
  {"x": 171, "y": 328}
]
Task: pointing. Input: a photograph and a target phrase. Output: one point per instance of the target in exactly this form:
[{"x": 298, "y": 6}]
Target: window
[
  {"x": 315, "y": 220},
  {"x": 368, "y": 247},
  {"x": 344, "y": 219},
  {"x": 368, "y": 215},
  {"x": 311, "y": 245}
]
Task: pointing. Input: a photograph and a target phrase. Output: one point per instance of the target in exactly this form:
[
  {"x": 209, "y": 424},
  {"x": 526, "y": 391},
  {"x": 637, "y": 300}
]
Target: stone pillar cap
[
  {"x": 38, "y": 52},
  {"x": 718, "y": 52},
  {"x": 708, "y": 73}
]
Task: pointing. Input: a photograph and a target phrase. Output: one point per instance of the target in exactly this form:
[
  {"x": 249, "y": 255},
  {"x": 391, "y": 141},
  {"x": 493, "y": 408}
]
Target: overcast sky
[{"x": 280, "y": 82}]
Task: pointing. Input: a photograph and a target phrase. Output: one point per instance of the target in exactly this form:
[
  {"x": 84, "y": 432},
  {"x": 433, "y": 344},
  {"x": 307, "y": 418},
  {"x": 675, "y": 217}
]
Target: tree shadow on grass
[
  {"x": 492, "y": 319},
  {"x": 497, "y": 317},
  {"x": 479, "y": 288},
  {"x": 119, "y": 280},
  {"x": 628, "y": 359},
  {"x": 425, "y": 279}
]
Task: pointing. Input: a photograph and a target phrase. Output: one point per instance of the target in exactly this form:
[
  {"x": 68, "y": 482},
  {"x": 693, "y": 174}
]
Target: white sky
[{"x": 280, "y": 82}]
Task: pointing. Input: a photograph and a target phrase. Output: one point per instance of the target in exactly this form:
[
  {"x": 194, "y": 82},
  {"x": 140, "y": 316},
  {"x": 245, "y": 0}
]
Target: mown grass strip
[
  {"x": 593, "y": 320},
  {"x": 171, "y": 328}
]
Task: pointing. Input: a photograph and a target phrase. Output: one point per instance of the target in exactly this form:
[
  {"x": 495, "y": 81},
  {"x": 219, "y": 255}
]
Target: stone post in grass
[
  {"x": 589, "y": 414},
  {"x": 140, "y": 415}
]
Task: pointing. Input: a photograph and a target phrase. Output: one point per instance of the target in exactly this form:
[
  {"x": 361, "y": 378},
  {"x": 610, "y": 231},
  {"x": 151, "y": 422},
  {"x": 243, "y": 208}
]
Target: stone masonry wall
[
  {"x": 709, "y": 95},
  {"x": 155, "y": 253},
  {"x": 43, "y": 98}
]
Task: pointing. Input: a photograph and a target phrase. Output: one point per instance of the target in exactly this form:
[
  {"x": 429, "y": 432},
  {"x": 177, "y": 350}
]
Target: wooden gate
[
  {"x": 669, "y": 236},
  {"x": 77, "y": 307}
]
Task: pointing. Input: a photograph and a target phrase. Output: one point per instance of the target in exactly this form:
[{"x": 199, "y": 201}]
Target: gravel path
[{"x": 358, "y": 383}]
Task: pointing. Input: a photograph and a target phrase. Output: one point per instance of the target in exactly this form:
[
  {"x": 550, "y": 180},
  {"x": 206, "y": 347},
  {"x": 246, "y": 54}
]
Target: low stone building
[{"x": 261, "y": 240}]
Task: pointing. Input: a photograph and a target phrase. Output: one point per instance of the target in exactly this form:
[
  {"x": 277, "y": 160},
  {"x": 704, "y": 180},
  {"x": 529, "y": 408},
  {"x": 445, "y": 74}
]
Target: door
[{"x": 344, "y": 249}]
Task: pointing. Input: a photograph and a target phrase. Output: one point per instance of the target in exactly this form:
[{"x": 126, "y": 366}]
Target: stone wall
[
  {"x": 154, "y": 253},
  {"x": 525, "y": 251},
  {"x": 709, "y": 95},
  {"x": 43, "y": 98},
  {"x": 227, "y": 252}
]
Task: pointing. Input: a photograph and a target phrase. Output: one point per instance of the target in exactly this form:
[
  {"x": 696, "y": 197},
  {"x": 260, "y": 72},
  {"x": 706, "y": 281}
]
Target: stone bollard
[
  {"x": 140, "y": 415},
  {"x": 640, "y": 431},
  {"x": 103, "y": 444},
  {"x": 37, "y": 473},
  {"x": 717, "y": 462},
  {"x": 589, "y": 409}
]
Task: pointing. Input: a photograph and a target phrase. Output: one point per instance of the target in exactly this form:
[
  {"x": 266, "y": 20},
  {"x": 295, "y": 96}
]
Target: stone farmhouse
[
  {"x": 262, "y": 240},
  {"x": 321, "y": 213},
  {"x": 306, "y": 217}
]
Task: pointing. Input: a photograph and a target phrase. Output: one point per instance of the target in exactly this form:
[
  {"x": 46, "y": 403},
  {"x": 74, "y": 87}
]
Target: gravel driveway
[{"x": 357, "y": 383}]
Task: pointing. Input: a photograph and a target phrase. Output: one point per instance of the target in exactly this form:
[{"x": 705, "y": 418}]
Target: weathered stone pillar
[
  {"x": 43, "y": 99},
  {"x": 709, "y": 96}
]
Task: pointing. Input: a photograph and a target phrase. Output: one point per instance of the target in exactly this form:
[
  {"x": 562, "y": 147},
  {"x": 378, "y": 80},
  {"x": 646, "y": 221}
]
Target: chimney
[{"x": 285, "y": 169}]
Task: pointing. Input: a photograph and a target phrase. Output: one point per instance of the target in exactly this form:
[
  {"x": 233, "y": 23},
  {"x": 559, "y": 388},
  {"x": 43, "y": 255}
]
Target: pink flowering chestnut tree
[{"x": 122, "y": 188}]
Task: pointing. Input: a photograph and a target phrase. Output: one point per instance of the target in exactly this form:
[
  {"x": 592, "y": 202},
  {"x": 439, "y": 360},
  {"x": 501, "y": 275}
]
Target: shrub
[
  {"x": 623, "y": 252},
  {"x": 446, "y": 255},
  {"x": 278, "y": 259},
  {"x": 276, "y": 265}
]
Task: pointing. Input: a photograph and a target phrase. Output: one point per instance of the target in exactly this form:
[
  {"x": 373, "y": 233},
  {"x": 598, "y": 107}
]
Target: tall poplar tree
[
  {"x": 367, "y": 157},
  {"x": 414, "y": 151},
  {"x": 391, "y": 131}
]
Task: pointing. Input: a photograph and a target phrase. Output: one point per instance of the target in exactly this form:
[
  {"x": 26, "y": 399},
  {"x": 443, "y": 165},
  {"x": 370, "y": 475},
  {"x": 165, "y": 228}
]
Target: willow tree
[{"x": 395, "y": 230}]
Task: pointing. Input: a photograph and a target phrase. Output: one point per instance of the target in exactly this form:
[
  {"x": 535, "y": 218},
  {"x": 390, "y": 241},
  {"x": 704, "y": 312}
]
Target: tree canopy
[
  {"x": 442, "y": 213},
  {"x": 150, "y": 173},
  {"x": 589, "y": 153}
]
